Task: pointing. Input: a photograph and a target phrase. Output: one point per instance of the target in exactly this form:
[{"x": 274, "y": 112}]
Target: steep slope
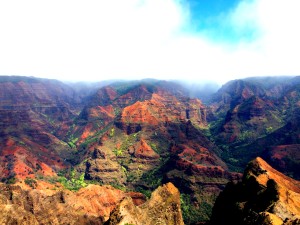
[
  {"x": 265, "y": 196},
  {"x": 253, "y": 115},
  {"x": 35, "y": 116},
  {"x": 246, "y": 110},
  {"x": 40, "y": 95}
]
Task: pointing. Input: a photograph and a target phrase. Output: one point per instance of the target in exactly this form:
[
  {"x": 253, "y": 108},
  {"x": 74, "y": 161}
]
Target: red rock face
[
  {"x": 137, "y": 198},
  {"x": 35, "y": 94},
  {"x": 35, "y": 114},
  {"x": 103, "y": 107},
  {"x": 139, "y": 113},
  {"x": 21, "y": 161},
  {"x": 98, "y": 117},
  {"x": 139, "y": 93},
  {"x": 143, "y": 150},
  {"x": 197, "y": 160},
  {"x": 165, "y": 108}
]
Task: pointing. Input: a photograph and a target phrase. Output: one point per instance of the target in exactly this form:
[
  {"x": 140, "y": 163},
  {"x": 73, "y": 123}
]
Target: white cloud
[
  {"x": 95, "y": 39},
  {"x": 83, "y": 39},
  {"x": 276, "y": 49}
]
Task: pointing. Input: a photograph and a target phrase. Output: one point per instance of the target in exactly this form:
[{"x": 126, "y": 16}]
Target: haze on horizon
[{"x": 93, "y": 40}]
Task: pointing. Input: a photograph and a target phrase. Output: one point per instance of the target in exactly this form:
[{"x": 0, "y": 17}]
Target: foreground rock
[
  {"x": 90, "y": 205},
  {"x": 265, "y": 196},
  {"x": 162, "y": 208}
]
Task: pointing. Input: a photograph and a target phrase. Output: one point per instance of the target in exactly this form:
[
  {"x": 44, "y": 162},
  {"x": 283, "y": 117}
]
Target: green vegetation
[
  {"x": 31, "y": 182},
  {"x": 118, "y": 152},
  {"x": 95, "y": 138},
  {"x": 112, "y": 132},
  {"x": 49, "y": 119},
  {"x": 21, "y": 143},
  {"x": 117, "y": 111},
  {"x": 10, "y": 179},
  {"x": 124, "y": 87},
  {"x": 116, "y": 185},
  {"x": 129, "y": 141},
  {"x": 124, "y": 169},
  {"x": 72, "y": 143},
  {"x": 85, "y": 144},
  {"x": 158, "y": 143},
  {"x": 145, "y": 192},
  {"x": 70, "y": 180},
  {"x": 190, "y": 213},
  {"x": 74, "y": 183},
  {"x": 153, "y": 178},
  {"x": 269, "y": 130},
  {"x": 206, "y": 132},
  {"x": 247, "y": 136},
  {"x": 154, "y": 147}
]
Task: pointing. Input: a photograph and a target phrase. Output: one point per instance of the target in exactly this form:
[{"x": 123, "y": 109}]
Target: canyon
[{"x": 129, "y": 138}]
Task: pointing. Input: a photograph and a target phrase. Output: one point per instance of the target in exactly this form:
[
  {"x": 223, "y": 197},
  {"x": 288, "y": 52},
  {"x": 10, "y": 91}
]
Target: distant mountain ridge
[{"x": 253, "y": 110}]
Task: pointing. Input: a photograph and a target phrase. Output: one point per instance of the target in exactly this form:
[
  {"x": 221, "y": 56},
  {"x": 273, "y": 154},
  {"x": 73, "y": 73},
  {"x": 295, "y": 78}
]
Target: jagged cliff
[
  {"x": 265, "y": 196},
  {"x": 162, "y": 208},
  {"x": 90, "y": 205}
]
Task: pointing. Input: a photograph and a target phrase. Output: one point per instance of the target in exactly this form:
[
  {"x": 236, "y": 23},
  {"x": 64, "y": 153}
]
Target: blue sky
[
  {"x": 208, "y": 17},
  {"x": 205, "y": 14},
  {"x": 165, "y": 39}
]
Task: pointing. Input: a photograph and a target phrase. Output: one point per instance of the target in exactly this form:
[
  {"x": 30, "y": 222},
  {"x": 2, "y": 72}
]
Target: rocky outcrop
[
  {"x": 164, "y": 108},
  {"x": 200, "y": 175},
  {"x": 143, "y": 150},
  {"x": 162, "y": 208},
  {"x": 138, "y": 92},
  {"x": 265, "y": 196},
  {"x": 104, "y": 168},
  {"x": 90, "y": 205}
]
